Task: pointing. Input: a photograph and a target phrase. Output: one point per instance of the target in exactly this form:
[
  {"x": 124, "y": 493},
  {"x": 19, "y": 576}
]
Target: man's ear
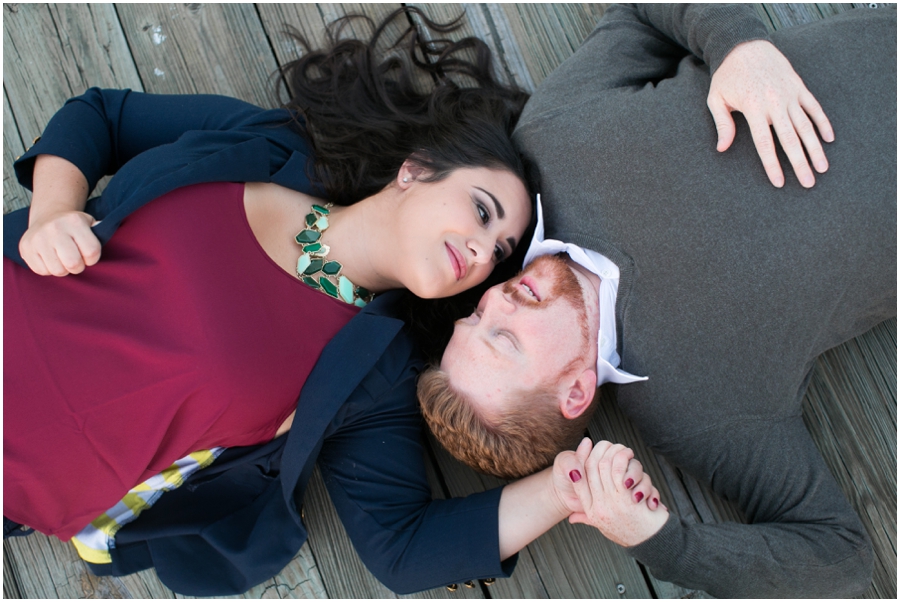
[
  {"x": 577, "y": 399},
  {"x": 409, "y": 173}
]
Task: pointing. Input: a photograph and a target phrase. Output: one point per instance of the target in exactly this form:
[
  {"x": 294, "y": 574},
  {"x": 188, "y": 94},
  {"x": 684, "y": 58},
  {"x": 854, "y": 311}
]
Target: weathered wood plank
[
  {"x": 199, "y": 48},
  {"x": 51, "y": 53},
  {"x": 11, "y": 589},
  {"x": 300, "y": 579},
  {"x": 14, "y": 196},
  {"x": 547, "y": 34},
  {"x": 44, "y": 567},
  {"x": 852, "y": 416},
  {"x": 344, "y": 574}
]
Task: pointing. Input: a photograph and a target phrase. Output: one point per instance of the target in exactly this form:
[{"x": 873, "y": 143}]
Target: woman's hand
[
  {"x": 60, "y": 244},
  {"x": 615, "y": 494},
  {"x": 59, "y": 240},
  {"x": 757, "y": 80}
]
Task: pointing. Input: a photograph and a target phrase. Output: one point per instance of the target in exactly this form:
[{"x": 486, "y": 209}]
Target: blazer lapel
[{"x": 344, "y": 362}]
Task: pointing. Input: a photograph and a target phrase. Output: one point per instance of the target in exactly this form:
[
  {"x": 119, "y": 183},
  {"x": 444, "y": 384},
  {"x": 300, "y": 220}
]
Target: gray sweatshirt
[{"x": 729, "y": 287}]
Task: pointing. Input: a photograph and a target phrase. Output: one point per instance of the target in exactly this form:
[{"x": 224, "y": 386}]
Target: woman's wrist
[{"x": 58, "y": 187}]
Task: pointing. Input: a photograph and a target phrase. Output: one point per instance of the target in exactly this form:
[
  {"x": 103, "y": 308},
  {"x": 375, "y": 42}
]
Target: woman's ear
[
  {"x": 409, "y": 173},
  {"x": 579, "y": 395}
]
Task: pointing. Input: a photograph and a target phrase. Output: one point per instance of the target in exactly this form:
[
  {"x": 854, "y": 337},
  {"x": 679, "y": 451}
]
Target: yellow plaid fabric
[{"x": 94, "y": 542}]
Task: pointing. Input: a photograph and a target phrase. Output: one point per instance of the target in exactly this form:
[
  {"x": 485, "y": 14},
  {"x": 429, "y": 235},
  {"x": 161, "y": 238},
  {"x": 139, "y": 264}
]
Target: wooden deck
[{"x": 52, "y": 52}]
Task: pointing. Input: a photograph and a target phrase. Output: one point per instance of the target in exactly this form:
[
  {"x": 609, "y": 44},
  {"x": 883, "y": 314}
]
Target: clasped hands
[{"x": 607, "y": 488}]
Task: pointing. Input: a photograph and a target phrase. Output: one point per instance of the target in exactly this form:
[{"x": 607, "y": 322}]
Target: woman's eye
[
  {"x": 483, "y": 213},
  {"x": 499, "y": 253}
]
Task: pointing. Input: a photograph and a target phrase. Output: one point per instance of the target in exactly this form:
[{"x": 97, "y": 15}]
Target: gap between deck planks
[{"x": 56, "y": 51}]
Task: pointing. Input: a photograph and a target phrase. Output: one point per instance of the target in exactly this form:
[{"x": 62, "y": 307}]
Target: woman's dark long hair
[{"x": 365, "y": 113}]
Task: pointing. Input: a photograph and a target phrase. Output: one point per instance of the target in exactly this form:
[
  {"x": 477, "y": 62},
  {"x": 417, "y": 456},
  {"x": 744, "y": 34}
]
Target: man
[{"x": 724, "y": 289}]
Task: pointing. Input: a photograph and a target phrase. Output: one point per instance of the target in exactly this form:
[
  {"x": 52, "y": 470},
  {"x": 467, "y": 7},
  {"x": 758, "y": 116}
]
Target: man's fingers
[
  {"x": 724, "y": 121},
  {"x": 584, "y": 449},
  {"x": 605, "y": 468},
  {"x": 765, "y": 147},
  {"x": 815, "y": 112},
  {"x": 583, "y": 489},
  {"x": 619, "y": 467},
  {"x": 790, "y": 142},
  {"x": 809, "y": 137},
  {"x": 579, "y": 518}
]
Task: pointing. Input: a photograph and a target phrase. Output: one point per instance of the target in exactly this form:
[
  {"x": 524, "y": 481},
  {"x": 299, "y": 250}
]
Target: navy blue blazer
[{"x": 237, "y": 523}]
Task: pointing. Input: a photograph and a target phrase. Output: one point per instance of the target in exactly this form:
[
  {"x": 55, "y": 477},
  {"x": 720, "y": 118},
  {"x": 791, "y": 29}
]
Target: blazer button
[
  {"x": 489, "y": 581},
  {"x": 470, "y": 585},
  {"x": 36, "y": 140},
  {"x": 452, "y": 587},
  {"x": 302, "y": 512}
]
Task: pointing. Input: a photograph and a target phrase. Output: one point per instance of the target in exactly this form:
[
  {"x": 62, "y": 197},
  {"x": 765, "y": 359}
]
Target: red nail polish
[
  {"x": 655, "y": 503},
  {"x": 638, "y": 496},
  {"x": 628, "y": 483},
  {"x": 575, "y": 476}
]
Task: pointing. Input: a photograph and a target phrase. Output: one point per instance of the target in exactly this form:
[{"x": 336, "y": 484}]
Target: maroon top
[{"x": 185, "y": 336}]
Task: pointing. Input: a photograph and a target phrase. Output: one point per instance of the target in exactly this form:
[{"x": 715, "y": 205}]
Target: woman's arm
[
  {"x": 91, "y": 136},
  {"x": 101, "y": 130},
  {"x": 59, "y": 240}
]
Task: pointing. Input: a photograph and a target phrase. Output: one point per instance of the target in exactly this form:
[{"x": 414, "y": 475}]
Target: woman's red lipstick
[{"x": 456, "y": 260}]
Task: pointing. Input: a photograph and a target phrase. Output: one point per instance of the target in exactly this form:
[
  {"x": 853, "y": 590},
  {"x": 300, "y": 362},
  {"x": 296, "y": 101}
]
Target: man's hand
[
  {"x": 615, "y": 495},
  {"x": 757, "y": 80}
]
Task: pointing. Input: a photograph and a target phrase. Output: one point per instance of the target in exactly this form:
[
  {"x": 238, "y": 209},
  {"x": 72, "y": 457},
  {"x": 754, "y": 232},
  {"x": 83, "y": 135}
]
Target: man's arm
[
  {"x": 803, "y": 540},
  {"x": 637, "y": 45}
]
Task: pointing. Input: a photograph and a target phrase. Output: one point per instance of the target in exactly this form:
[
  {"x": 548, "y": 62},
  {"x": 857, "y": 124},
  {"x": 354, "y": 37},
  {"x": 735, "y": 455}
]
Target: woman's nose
[{"x": 481, "y": 250}]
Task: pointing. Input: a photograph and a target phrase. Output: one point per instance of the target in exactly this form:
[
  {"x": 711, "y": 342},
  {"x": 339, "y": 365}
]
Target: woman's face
[{"x": 453, "y": 232}]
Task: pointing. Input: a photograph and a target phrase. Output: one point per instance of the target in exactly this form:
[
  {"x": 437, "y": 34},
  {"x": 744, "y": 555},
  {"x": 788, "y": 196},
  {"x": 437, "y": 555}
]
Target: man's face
[{"x": 524, "y": 334}]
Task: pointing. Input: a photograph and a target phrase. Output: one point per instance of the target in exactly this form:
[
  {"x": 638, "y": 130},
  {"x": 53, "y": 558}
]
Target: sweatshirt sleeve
[
  {"x": 638, "y": 45},
  {"x": 708, "y": 31},
  {"x": 803, "y": 540}
]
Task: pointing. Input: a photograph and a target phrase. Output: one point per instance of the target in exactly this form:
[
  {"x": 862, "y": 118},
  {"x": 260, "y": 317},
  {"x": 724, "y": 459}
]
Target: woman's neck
[{"x": 361, "y": 238}]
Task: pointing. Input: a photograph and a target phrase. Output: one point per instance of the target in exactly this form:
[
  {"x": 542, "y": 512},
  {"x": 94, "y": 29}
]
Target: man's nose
[{"x": 498, "y": 302}]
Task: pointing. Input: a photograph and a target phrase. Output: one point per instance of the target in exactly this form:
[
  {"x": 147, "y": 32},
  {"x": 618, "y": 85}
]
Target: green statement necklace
[{"x": 313, "y": 267}]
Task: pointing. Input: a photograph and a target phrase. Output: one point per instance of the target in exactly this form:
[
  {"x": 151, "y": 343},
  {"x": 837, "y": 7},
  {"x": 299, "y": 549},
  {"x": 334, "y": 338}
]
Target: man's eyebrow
[{"x": 500, "y": 212}]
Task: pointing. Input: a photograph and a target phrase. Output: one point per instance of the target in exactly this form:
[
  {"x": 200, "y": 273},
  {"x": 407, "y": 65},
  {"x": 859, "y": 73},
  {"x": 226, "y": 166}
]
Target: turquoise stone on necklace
[{"x": 315, "y": 269}]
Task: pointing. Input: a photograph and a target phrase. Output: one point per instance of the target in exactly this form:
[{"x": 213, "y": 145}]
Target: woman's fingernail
[
  {"x": 575, "y": 476},
  {"x": 638, "y": 496},
  {"x": 628, "y": 483}
]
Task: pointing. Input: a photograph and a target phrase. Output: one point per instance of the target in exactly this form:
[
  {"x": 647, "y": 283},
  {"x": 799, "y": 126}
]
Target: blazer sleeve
[
  {"x": 374, "y": 470},
  {"x": 101, "y": 130}
]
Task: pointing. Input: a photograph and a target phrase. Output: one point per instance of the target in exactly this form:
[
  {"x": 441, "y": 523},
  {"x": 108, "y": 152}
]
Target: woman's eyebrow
[{"x": 500, "y": 212}]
